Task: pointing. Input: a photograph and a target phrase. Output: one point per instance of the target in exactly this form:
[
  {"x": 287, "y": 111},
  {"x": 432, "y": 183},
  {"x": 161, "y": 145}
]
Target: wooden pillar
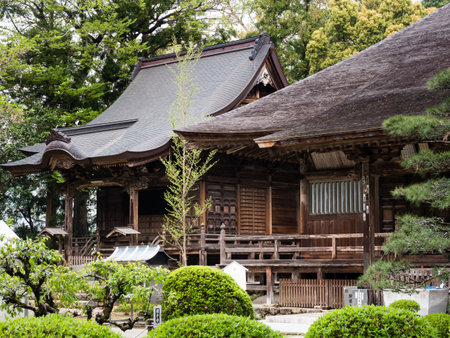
[
  {"x": 203, "y": 201},
  {"x": 369, "y": 183},
  {"x": 303, "y": 200},
  {"x": 60, "y": 244},
  {"x": 269, "y": 210},
  {"x": 303, "y": 205},
  {"x": 374, "y": 193},
  {"x": 238, "y": 208},
  {"x": 269, "y": 286},
  {"x": 134, "y": 213},
  {"x": 68, "y": 224},
  {"x": 202, "y": 254},
  {"x": 319, "y": 274},
  {"x": 222, "y": 244},
  {"x": 49, "y": 206}
]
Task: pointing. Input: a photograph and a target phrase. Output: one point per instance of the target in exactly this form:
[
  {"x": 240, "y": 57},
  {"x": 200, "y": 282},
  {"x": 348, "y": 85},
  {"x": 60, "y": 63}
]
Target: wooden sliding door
[{"x": 252, "y": 213}]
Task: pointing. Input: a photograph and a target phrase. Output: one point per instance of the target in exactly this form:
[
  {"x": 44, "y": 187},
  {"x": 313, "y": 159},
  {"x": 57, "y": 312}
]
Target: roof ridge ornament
[
  {"x": 262, "y": 39},
  {"x": 136, "y": 69},
  {"x": 56, "y": 135}
]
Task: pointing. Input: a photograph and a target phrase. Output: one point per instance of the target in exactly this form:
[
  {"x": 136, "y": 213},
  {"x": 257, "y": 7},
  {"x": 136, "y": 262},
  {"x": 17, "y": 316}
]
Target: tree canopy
[
  {"x": 63, "y": 62},
  {"x": 353, "y": 26}
]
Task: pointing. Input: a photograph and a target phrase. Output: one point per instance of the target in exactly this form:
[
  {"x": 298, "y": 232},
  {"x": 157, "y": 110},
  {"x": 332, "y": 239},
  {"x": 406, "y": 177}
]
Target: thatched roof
[
  {"x": 353, "y": 96},
  {"x": 136, "y": 127}
]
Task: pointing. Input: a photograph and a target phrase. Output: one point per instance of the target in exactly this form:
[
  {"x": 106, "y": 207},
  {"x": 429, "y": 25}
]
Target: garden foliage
[
  {"x": 53, "y": 326},
  {"x": 371, "y": 321},
  {"x": 213, "y": 325},
  {"x": 406, "y": 304},
  {"x": 201, "y": 290},
  {"x": 28, "y": 269},
  {"x": 106, "y": 283},
  {"x": 441, "y": 322}
]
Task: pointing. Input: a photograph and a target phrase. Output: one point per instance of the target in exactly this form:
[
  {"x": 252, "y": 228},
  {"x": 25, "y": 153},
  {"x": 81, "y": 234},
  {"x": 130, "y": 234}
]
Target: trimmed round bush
[
  {"x": 441, "y": 322},
  {"x": 53, "y": 326},
  {"x": 213, "y": 325},
  {"x": 371, "y": 321},
  {"x": 195, "y": 290},
  {"x": 406, "y": 304}
]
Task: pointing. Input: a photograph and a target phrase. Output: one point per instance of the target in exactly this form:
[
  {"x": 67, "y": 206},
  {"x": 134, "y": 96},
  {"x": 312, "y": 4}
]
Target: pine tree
[{"x": 420, "y": 235}]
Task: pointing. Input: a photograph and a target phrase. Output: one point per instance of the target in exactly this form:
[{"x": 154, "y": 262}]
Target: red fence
[{"x": 328, "y": 293}]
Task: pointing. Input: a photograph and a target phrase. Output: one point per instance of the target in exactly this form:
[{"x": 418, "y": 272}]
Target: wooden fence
[
  {"x": 327, "y": 293},
  {"x": 80, "y": 260},
  {"x": 419, "y": 277}
]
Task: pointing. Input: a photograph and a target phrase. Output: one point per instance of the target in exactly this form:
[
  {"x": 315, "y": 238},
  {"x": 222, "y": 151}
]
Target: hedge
[
  {"x": 53, "y": 326},
  {"x": 406, "y": 304},
  {"x": 213, "y": 325},
  {"x": 441, "y": 322},
  {"x": 201, "y": 290},
  {"x": 371, "y": 321}
]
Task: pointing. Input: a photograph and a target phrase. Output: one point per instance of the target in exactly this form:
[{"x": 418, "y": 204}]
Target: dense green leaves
[
  {"x": 201, "y": 290},
  {"x": 54, "y": 326},
  {"x": 434, "y": 3},
  {"x": 352, "y": 26},
  {"x": 106, "y": 283},
  {"x": 418, "y": 235},
  {"x": 370, "y": 321},
  {"x": 290, "y": 24},
  {"x": 440, "y": 321},
  {"x": 434, "y": 192},
  {"x": 29, "y": 269},
  {"x": 422, "y": 127},
  {"x": 213, "y": 325},
  {"x": 406, "y": 304}
]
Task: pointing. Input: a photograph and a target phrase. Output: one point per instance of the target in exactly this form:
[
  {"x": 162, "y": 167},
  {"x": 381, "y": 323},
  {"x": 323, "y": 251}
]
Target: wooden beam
[{"x": 68, "y": 224}]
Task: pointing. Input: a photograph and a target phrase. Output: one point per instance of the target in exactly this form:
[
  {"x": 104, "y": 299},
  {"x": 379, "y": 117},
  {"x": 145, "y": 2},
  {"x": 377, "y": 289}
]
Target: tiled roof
[
  {"x": 137, "y": 125},
  {"x": 357, "y": 94}
]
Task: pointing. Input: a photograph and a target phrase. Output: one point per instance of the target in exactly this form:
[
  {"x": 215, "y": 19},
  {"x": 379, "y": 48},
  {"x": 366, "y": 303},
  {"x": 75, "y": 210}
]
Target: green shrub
[
  {"x": 371, "y": 321},
  {"x": 213, "y": 325},
  {"x": 441, "y": 322},
  {"x": 406, "y": 304},
  {"x": 200, "y": 290},
  {"x": 53, "y": 326}
]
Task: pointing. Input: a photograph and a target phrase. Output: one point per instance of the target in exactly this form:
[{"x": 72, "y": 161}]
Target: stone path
[{"x": 292, "y": 324}]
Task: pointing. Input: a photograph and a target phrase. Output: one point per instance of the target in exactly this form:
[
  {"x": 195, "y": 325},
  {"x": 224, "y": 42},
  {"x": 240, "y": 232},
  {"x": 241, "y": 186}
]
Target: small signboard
[
  {"x": 238, "y": 272},
  {"x": 360, "y": 297},
  {"x": 348, "y": 296},
  {"x": 157, "y": 320}
]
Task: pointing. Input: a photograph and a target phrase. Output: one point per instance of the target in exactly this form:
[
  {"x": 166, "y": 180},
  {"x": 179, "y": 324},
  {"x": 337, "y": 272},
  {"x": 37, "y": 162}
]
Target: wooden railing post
[
  {"x": 202, "y": 256},
  {"x": 276, "y": 254},
  {"x": 333, "y": 248},
  {"x": 222, "y": 244}
]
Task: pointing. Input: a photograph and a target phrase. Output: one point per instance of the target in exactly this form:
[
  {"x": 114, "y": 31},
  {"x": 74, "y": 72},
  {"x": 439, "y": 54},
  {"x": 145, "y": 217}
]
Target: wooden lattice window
[
  {"x": 343, "y": 197},
  {"x": 223, "y": 208},
  {"x": 252, "y": 212}
]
